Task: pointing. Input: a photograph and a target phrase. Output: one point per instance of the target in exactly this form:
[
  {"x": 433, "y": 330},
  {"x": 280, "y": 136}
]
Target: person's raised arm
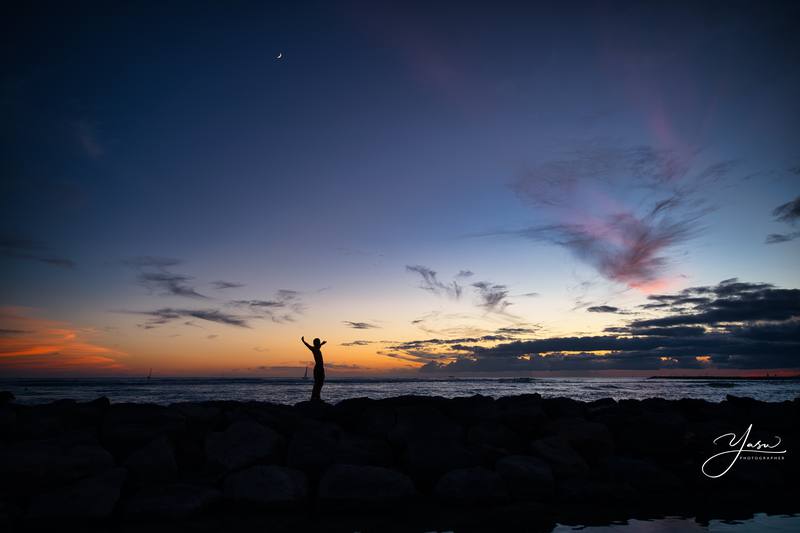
[
  {"x": 303, "y": 338},
  {"x": 323, "y": 343}
]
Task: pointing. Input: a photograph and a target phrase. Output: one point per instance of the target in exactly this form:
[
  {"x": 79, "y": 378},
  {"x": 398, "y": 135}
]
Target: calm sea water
[
  {"x": 759, "y": 523},
  {"x": 290, "y": 391}
]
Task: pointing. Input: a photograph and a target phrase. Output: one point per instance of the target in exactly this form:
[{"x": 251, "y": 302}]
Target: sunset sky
[{"x": 584, "y": 188}]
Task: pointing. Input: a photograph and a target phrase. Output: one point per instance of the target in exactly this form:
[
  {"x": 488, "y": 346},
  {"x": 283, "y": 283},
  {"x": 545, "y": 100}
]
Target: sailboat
[
  {"x": 305, "y": 376},
  {"x": 149, "y": 374}
]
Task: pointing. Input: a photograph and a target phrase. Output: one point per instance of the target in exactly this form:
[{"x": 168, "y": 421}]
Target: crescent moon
[{"x": 280, "y": 55}]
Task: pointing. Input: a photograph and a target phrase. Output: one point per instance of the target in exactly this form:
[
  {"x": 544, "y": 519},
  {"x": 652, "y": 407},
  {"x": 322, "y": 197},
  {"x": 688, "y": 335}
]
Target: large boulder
[
  {"x": 422, "y": 422},
  {"x": 561, "y": 457},
  {"x": 31, "y": 465},
  {"x": 154, "y": 463},
  {"x": 493, "y": 439},
  {"x": 527, "y": 477},
  {"x": 642, "y": 475},
  {"x": 471, "y": 486},
  {"x": 129, "y": 426},
  {"x": 174, "y": 501},
  {"x": 591, "y": 439},
  {"x": 361, "y": 450},
  {"x": 243, "y": 444},
  {"x": 355, "y": 487},
  {"x": 267, "y": 486},
  {"x": 313, "y": 446},
  {"x": 92, "y": 498},
  {"x": 425, "y": 461}
]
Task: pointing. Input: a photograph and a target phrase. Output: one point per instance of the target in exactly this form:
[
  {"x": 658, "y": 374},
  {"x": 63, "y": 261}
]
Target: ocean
[{"x": 289, "y": 391}]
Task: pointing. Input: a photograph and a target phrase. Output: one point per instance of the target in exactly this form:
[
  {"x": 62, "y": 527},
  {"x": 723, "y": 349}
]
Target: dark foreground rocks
[{"x": 472, "y": 463}]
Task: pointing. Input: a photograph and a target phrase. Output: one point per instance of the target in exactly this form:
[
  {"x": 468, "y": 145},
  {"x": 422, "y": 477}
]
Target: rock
[
  {"x": 471, "y": 486},
  {"x": 653, "y": 433},
  {"x": 426, "y": 461},
  {"x": 359, "y": 450},
  {"x": 581, "y": 490},
  {"x": 527, "y": 478},
  {"x": 89, "y": 499},
  {"x": 243, "y": 444},
  {"x": 564, "y": 408},
  {"x": 155, "y": 463},
  {"x": 468, "y": 410},
  {"x": 493, "y": 439},
  {"x": 417, "y": 422},
  {"x": 564, "y": 460},
  {"x": 129, "y": 426},
  {"x": 198, "y": 413},
  {"x": 354, "y": 487},
  {"x": 31, "y": 465},
  {"x": 313, "y": 446},
  {"x": 270, "y": 486},
  {"x": 642, "y": 475},
  {"x": 8, "y": 422},
  {"x": 175, "y": 501},
  {"x": 591, "y": 439},
  {"x": 6, "y": 397},
  {"x": 523, "y": 414}
]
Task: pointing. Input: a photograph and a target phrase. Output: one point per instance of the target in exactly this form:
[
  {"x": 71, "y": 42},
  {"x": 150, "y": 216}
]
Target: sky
[{"x": 566, "y": 188}]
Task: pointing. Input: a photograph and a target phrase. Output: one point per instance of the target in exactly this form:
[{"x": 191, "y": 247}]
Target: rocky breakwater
[{"x": 105, "y": 463}]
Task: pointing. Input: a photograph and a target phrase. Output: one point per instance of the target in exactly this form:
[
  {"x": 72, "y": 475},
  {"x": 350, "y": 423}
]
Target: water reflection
[{"x": 760, "y": 523}]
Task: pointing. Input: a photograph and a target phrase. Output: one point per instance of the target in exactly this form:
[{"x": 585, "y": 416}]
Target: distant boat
[
  {"x": 150, "y": 374},
  {"x": 305, "y": 376}
]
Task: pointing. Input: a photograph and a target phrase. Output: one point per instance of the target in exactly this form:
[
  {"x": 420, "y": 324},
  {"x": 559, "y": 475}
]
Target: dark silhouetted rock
[
  {"x": 360, "y": 450},
  {"x": 6, "y": 397},
  {"x": 198, "y": 413},
  {"x": 313, "y": 446},
  {"x": 243, "y": 444},
  {"x": 493, "y": 439},
  {"x": 8, "y": 422},
  {"x": 426, "y": 461},
  {"x": 561, "y": 457},
  {"x": 591, "y": 439},
  {"x": 527, "y": 477},
  {"x": 40, "y": 463},
  {"x": 653, "y": 433},
  {"x": 155, "y": 463},
  {"x": 354, "y": 487},
  {"x": 269, "y": 486},
  {"x": 564, "y": 408},
  {"x": 419, "y": 422},
  {"x": 471, "y": 486},
  {"x": 642, "y": 475},
  {"x": 175, "y": 501},
  {"x": 581, "y": 490},
  {"x": 130, "y": 426},
  {"x": 93, "y": 498}
]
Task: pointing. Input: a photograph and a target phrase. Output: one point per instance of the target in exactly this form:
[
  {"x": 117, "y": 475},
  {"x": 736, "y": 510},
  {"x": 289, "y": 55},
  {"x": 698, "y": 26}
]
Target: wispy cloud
[
  {"x": 222, "y": 285},
  {"x": 87, "y": 136},
  {"x": 621, "y": 210},
  {"x": 788, "y": 213},
  {"x": 430, "y": 282},
  {"x": 493, "y": 297},
  {"x": 155, "y": 276},
  {"x": 166, "y": 315},
  {"x": 603, "y": 309},
  {"x": 18, "y": 247},
  {"x": 359, "y": 325},
  {"x": 284, "y": 306},
  {"x": 356, "y": 343}
]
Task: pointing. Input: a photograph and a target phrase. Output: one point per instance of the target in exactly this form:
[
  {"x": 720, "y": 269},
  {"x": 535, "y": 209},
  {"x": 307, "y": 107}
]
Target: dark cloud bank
[
  {"x": 788, "y": 213},
  {"x": 732, "y": 325}
]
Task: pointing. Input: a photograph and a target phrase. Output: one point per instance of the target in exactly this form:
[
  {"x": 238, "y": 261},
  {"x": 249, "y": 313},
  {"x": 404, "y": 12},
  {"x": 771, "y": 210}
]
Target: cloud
[
  {"x": 284, "y": 307},
  {"x": 603, "y": 309},
  {"x": 788, "y": 213},
  {"x": 356, "y": 343},
  {"x": 155, "y": 276},
  {"x": 359, "y": 325},
  {"x": 728, "y": 326},
  {"x": 166, "y": 315},
  {"x": 621, "y": 210},
  {"x": 18, "y": 247},
  {"x": 41, "y": 346},
  {"x": 465, "y": 274},
  {"x": 431, "y": 283},
  {"x": 221, "y": 285},
  {"x": 493, "y": 297}
]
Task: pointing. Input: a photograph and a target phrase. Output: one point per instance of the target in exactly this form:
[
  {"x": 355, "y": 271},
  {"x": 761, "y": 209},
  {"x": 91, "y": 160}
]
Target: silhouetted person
[{"x": 319, "y": 367}]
